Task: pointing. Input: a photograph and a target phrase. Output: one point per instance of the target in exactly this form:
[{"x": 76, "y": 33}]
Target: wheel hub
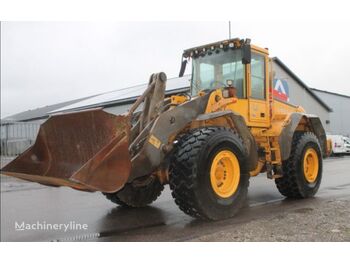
[
  {"x": 310, "y": 165},
  {"x": 225, "y": 174}
]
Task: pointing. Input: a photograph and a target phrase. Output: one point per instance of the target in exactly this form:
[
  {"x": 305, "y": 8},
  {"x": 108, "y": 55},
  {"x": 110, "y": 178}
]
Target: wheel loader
[{"x": 206, "y": 143}]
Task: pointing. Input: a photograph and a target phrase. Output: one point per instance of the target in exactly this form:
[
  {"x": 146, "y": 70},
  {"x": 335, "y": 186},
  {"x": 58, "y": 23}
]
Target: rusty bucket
[{"x": 86, "y": 150}]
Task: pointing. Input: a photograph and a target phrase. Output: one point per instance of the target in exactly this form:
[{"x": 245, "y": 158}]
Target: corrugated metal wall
[
  {"x": 17, "y": 137},
  {"x": 339, "y": 118}
]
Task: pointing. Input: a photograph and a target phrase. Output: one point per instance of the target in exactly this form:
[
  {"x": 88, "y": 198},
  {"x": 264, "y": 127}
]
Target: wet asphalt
[{"x": 32, "y": 203}]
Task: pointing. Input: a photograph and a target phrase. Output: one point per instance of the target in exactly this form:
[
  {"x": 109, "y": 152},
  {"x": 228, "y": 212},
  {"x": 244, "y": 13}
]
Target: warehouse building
[
  {"x": 287, "y": 87},
  {"x": 339, "y": 117}
]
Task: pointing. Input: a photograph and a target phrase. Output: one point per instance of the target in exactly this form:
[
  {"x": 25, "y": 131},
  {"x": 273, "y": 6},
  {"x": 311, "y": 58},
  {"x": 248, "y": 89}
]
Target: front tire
[
  {"x": 139, "y": 193},
  {"x": 302, "y": 172},
  {"x": 208, "y": 175}
]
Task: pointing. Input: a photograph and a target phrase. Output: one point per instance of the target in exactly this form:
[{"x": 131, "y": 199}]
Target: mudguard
[
  {"x": 286, "y": 136},
  {"x": 236, "y": 121}
]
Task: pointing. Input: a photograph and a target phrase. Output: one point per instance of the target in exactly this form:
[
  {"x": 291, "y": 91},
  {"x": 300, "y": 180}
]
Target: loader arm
[{"x": 93, "y": 150}]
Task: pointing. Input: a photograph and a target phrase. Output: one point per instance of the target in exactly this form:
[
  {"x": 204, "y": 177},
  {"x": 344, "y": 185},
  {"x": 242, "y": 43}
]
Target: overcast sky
[{"x": 49, "y": 62}]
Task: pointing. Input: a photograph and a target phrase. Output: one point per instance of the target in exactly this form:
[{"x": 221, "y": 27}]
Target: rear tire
[
  {"x": 191, "y": 173},
  {"x": 139, "y": 193},
  {"x": 297, "y": 180}
]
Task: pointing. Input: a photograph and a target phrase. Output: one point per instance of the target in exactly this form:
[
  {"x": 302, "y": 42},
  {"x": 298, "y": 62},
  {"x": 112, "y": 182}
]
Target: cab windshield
[{"x": 212, "y": 71}]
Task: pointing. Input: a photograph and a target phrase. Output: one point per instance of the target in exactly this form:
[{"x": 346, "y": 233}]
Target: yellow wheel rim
[
  {"x": 311, "y": 165},
  {"x": 225, "y": 174}
]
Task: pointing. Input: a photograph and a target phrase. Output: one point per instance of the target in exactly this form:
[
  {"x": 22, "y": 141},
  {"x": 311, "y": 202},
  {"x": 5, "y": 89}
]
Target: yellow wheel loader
[{"x": 206, "y": 144}]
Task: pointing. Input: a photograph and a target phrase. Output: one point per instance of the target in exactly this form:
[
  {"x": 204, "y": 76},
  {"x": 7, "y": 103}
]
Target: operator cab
[
  {"x": 219, "y": 65},
  {"x": 218, "y": 69},
  {"x": 236, "y": 66}
]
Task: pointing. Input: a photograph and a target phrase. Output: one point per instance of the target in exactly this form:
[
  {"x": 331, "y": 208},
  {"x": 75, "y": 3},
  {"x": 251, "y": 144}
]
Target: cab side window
[
  {"x": 258, "y": 76},
  {"x": 206, "y": 74}
]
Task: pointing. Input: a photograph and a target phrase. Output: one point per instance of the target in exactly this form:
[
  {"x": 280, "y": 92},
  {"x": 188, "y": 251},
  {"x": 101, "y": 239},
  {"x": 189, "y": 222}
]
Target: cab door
[{"x": 258, "y": 109}]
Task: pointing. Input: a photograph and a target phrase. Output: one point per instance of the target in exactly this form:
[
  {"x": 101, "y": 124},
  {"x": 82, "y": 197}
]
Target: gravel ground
[{"x": 328, "y": 220}]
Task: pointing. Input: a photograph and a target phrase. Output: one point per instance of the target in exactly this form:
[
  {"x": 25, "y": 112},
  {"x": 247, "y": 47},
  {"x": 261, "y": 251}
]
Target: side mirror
[{"x": 246, "y": 54}]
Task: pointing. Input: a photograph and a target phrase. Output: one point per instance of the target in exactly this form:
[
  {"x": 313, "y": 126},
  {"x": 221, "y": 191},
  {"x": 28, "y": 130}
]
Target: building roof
[
  {"x": 41, "y": 112},
  {"x": 301, "y": 83},
  {"x": 125, "y": 95},
  {"x": 117, "y": 97},
  {"x": 331, "y": 93}
]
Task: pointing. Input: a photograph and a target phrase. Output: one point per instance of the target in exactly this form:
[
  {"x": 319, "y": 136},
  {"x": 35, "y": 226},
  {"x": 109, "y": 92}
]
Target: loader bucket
[{"x": 86, "y": 150}]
